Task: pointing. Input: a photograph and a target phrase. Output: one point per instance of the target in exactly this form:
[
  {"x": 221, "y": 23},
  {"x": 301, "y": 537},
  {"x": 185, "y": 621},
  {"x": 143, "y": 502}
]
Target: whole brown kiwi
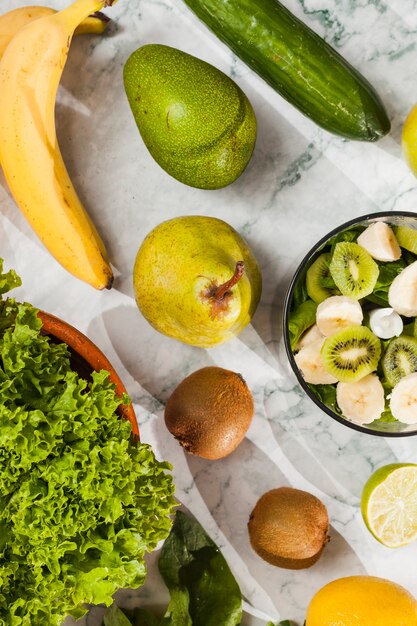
[
  {"x": 289, "y": 528},
  {"x": 209, "y": 412}
]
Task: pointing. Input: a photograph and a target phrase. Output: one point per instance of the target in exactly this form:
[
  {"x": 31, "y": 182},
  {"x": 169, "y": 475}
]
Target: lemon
[
  {"x": 362, "y": 601},
  {"x": 409, "y": 139},
  {"x": 389, "y": 504}
]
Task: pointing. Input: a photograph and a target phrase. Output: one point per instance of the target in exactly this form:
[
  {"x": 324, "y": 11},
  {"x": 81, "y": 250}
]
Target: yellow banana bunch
[
  {"x": 14, "y": 20},
  {"x": 30, "y": 72}
]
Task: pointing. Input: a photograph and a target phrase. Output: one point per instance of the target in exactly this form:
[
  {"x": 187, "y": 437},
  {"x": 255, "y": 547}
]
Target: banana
[
  {"x": 30, "y": 72},
  {"x": 14, "y": 20},
  {"x": 310, "y": 335},
  {"x": 94, "y": 24},
  {"x": 402, "y": 294},
  {"x": 380, "y": 241},
  {"x": 363, "y": 401},
  {"x": 336, "y": 313},
  {"x": 403, "y": 402},
  {"x": 310, "y": 364}
]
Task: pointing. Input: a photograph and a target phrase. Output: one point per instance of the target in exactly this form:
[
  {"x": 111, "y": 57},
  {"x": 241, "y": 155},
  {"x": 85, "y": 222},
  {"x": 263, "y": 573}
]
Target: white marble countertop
[{"x": 300, "y": 183}]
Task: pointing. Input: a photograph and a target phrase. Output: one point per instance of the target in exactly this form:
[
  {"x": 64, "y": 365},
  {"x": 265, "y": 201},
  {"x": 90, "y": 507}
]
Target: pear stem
[{"x": 221, "y": 290}]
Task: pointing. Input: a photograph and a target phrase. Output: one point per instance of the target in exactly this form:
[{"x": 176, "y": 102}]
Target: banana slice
[
  {"x": 311, "y": 366},
  {"x": 336, "y": 313},
  {"x": 312, "y": 334},
  {"x": 361, "y": 402},
  {"x": 403, "y": 402},
  {"x": 380, "y": 241},
  {"x": 402, "y": 294}
]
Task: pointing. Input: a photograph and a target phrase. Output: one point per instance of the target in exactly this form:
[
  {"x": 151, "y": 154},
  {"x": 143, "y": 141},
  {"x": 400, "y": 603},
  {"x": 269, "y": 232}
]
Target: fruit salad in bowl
[{"x": 350, "y": 324}]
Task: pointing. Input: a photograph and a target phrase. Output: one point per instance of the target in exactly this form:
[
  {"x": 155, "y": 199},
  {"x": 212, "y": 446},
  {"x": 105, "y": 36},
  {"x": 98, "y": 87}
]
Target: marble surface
[{"x": 300, "y": 183}]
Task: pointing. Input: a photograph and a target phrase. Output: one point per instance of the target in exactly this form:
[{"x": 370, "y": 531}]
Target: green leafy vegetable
[
  {"x": 198, "y": 578},
  {"x": 203, "y": 590},
  {"x": 142, "y": 617},
  {"x": 349, "y": 236},
  {"x": 80, "y": 502},
  {"x": 115, "y": 617},
  {"x": 8, "y": 281},
  {"x": 327, "y": 395},
  {"x": 300, "y": 294},
  {"x": 300, "y": 320},
  {"x": 410, "y": 329},
  {"x": 387, "y": 273},
  {"x": 409, "y": 257}
]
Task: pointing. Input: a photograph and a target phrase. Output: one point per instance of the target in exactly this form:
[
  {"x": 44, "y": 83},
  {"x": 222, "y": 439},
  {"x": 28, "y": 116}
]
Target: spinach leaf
[
  {"x": 115, "y": 617},
  {"x": 386, "y": 418},
  {"x": 300, "y": 320},
  {"x": 178, "y": 608},
  {"x": 387, "y": 273},
  {"x": 349, "y": 236},
  {"x": 327, "y": 395},
  {"x": 409, "y": 329},
  {"x": 300, "y": 294},
  {"x": 191, "y": 562},
  {"x": 143, "y": 617},
  {"x": 203, "y": 590},
  {"x": 409, "y": 257}
]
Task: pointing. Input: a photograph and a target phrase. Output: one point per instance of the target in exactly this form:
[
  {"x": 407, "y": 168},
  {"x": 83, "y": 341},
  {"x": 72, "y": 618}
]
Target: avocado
[{"x": 196, "y": 122}]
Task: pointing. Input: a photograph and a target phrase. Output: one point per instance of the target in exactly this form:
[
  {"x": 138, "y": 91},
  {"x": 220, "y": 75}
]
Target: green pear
[
  {"x": 196, "y": 280},
  {"x": 195, "y": 121}
]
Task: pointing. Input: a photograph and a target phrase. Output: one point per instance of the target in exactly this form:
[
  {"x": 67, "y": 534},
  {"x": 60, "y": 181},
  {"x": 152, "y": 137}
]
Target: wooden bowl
[{"x": 86, "y": 357}]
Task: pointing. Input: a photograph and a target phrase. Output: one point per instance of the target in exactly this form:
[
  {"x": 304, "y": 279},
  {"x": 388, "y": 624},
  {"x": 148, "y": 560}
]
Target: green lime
[{"x": 389, "y": 504}]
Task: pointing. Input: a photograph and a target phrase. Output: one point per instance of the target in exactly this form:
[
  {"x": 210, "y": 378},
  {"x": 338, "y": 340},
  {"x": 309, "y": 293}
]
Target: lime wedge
[{"x": 389, "y": 504}]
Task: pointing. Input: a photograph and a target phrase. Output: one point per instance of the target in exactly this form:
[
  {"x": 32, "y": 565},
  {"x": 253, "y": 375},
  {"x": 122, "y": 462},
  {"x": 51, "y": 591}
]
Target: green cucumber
[{"x": 298, "y": 64}]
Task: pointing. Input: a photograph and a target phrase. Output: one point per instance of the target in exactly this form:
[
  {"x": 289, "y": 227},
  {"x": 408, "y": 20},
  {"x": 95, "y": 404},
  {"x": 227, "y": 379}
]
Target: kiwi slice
[
  {"x": 319, "y": 282},
  {"x": 407, "y": 238},
  {"x": 400, "y": 359},
  {"x": 351, "y": 353},
  {"x": 353, "y": 270}
]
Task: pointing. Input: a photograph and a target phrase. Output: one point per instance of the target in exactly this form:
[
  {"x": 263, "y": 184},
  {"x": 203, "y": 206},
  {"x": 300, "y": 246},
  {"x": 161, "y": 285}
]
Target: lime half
[{"x": 389, "y": 504}]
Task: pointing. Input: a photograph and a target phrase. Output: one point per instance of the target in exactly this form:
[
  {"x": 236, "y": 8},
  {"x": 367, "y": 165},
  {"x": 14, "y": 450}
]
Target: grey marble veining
[{"x": 300, "y": 183}]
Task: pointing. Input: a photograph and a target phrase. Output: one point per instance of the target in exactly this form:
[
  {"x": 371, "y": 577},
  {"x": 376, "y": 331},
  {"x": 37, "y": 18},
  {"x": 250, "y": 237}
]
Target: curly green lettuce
[{"x": 80, "y": 502}]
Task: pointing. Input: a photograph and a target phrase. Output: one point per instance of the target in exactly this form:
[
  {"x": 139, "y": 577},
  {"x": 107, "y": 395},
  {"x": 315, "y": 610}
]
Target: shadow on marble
[
  {"x": 320, "y": 448},
  {"x": 230, "y": 488},
  {"x": 147, "y": 361}
]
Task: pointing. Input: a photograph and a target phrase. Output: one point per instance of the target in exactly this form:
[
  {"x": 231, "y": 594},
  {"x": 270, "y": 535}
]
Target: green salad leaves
[
  {"x": 302, "y": 315},
  {"x": 80, "y": 502},
  {"x": 202, "y": 587}
]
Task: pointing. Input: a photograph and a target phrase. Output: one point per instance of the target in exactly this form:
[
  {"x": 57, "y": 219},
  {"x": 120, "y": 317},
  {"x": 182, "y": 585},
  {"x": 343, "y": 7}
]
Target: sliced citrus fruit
[{"x": 389, "y": 504}]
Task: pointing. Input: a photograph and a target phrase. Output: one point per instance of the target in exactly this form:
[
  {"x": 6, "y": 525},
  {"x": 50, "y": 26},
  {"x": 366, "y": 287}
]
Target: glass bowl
[{"x": 381, "y": 428}]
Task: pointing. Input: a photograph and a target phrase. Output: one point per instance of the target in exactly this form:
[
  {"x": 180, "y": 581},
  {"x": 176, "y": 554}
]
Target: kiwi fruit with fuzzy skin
[
  {"x": 209, "y": 412},
  {"x": 289, "y": 528},
  {"x": 319, "y": 282},
  {"x": 353, "y": 270},
  {"x": 351, "y": 353},
  {"x": 400, "y": 359}
]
